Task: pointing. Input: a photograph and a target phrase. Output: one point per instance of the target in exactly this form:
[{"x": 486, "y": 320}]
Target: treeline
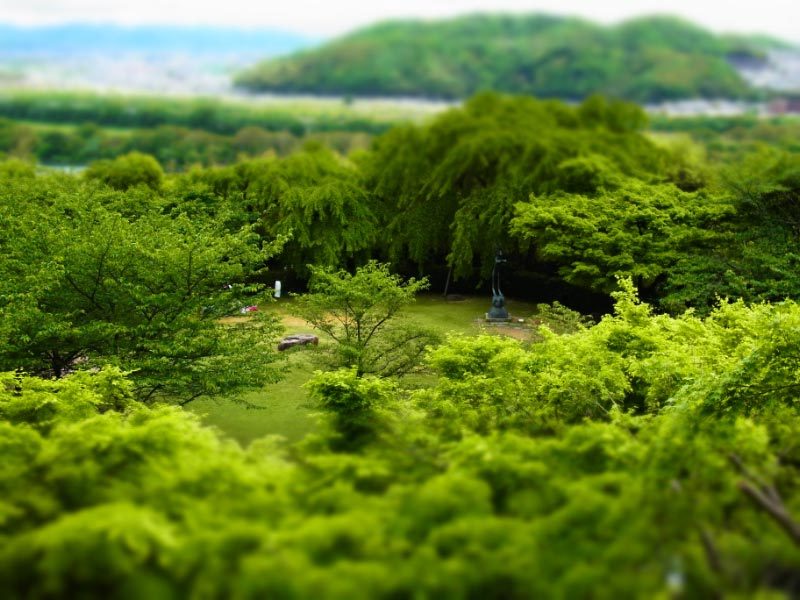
[
  {"x": 731, "y": 138},
  {"x": 575, "y": 197},
  {"x": 197, "y": 113},
  {"x": 646, "y": 456},
  {"x": 176, "y": 148},
  {"x": 644, "y": 60}
]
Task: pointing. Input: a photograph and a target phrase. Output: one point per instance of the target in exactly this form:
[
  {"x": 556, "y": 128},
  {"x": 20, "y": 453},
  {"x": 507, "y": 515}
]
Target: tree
[
  {"x": 127, "y": 171},
  {"x": 353, "y": 403},
  {"x": 448, "y": 188},
  {"x": 756, "y": 252},
  {"x": 314, "y": 196},
  {"x": 637, "y": 230},
  {"x": 82, "y": 285},
  {"x": 360, "y": 313}
]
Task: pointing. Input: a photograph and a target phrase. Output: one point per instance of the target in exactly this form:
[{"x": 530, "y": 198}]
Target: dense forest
[
  {"x": 646, "y": 60},
  {"x": 574, "y": 196},
  {"x": 646, "y": 446}
]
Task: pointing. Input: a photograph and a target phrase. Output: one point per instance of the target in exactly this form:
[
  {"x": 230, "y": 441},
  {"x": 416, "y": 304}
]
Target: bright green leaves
[
  {"x": 360, "y": 313},
  {"x": 638, "y": 231},
  {"x": 127, "y": 171},
  {"x": 84, "y": 285},
  {"x": 623, "y": 458}
]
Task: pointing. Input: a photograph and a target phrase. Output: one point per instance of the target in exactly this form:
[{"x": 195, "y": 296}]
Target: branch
[
  {"x": 150, "y": 394},
  {"x": 89, "y": 297},
  {"x": 775, "y": 510},
  {"x": 375, "y": 328},
  {"x": 99, "y": 276},
  {"x": 770, "y": 490},
  {"x": 183, "y": 403},
  {"x": 766, "y": 497},
  {"x": 712, "y": 553}
]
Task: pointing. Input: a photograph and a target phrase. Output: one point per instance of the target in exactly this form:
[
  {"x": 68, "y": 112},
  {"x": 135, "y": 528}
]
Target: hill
[{"x": 647, "y": 59}]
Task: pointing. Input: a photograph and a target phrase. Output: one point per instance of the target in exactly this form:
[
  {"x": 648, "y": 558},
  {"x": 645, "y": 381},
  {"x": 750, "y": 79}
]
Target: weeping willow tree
[
  {"x": 448, "y": 189},
  {"x": 315, "y": 197}
]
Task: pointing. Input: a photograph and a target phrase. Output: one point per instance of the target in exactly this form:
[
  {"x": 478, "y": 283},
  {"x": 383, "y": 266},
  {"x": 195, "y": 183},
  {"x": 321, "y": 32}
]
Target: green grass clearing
[{"x": 285, "y": 408}]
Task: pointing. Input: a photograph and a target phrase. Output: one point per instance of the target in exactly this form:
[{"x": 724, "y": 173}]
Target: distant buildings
[{"x": 785, "y": 105}]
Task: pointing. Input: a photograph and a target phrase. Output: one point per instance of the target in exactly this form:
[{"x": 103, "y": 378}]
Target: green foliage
[
  {"x": 194, "y": 113},
  {"x": 314, "y": 198},
  {"x": 447, "y": 194},
  {"x": 646, "y": 456},
  {"x": 449, "y": 189},
  {"x": 319, "y": 199},
  {"x": 353, "y": 401},
  {"x": 359, "y": 312},
  {"x": 755, "y": 253},
  {"x": 561, "y": 319},
  {"x": 127, "y": 171},
  {"x": 84, "y": 284},
  {"x": 172, "y": 146},
  {"x": 637, "y": 230},
  {"x": 732, "y": 138},
  {"x": 645, "y": 60}
]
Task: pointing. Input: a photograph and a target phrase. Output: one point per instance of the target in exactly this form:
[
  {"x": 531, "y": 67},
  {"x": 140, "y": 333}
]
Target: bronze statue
[{"x": 498, "y": 310}]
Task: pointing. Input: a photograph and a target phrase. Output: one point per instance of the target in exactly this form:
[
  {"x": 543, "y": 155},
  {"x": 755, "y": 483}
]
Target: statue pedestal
[
  {"x": 498, "y": 312},
  {"x": 490, "y": 319}
]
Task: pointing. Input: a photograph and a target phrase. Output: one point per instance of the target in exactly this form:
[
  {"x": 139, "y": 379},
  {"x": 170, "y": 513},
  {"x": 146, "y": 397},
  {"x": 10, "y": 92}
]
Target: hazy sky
[{"x": 331, "y": 17}]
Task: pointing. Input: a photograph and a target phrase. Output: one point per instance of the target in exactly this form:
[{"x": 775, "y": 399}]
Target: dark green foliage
[
  {"x": 315, "y": 197},
  {"x": 755, "y": 253},
  {"x": 200, "y": 113},
  {"x": 646, "y": 455},
  {"x": 732, "y": 138},
  {"x": 174, "y": 147},
  {"x": 587, "y": 189},
  {"x": 650, "y": 59}
]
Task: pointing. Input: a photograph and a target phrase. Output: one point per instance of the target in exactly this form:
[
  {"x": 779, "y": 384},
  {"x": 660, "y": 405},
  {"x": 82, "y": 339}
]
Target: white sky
[{"x": 327, "y": 18}]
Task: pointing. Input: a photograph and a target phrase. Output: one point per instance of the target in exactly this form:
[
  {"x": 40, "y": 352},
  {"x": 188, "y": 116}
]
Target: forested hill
[{"x": 647, "y": 59}]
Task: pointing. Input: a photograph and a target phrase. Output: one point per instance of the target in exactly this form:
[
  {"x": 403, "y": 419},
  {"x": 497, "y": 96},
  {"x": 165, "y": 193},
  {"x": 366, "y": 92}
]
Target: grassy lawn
[{"x": 285, "y": 408}]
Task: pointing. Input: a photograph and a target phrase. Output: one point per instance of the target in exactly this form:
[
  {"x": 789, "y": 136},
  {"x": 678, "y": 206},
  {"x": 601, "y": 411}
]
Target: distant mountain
[
  {"x": 160, "y": 39},
  {"x": 647, "y": 60}
]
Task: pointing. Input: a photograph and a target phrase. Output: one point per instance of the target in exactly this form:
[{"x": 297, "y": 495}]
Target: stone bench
[{"x": 297, "y": 339}]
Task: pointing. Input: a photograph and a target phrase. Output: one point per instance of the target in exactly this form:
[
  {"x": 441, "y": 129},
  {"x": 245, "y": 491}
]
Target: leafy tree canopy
[
  {"x": 448, "y": 189},
  {"x": 314, "y": 196},
  {"x": 360, "y": 313},
  {"x": 83, "y": 284},
  {"x": 127, "y": 171},
  {"x": 646, "y": 456}
]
